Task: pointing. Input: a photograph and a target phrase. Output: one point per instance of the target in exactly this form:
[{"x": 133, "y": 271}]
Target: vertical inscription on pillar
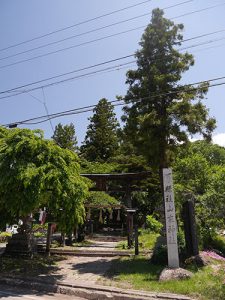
[{"x": 171, "y": 224}]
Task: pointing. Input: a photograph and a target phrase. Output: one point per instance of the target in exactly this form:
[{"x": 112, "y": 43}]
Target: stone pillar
[
  {"x": 171, "y": 224},
  {"x": 190, "y": 231}
]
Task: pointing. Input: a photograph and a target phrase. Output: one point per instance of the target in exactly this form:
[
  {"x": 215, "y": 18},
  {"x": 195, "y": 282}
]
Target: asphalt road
[{"x": 13, "y": 293}]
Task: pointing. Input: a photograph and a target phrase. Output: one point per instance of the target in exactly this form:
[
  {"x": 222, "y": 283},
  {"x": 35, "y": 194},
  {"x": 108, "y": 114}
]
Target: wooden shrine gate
[{"x": 122, "y": 182}]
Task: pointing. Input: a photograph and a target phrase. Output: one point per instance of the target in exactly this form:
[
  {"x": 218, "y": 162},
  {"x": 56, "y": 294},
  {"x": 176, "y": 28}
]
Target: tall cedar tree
[
  {"x": 65, "y": 136},
  {"x": 101, "y": 141},
  {"x": 168, "y": 113}
]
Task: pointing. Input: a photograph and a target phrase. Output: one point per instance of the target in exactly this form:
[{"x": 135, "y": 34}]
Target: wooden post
[
  {"x": 128, "y": 231},
  {"x": 190, "y": 231},
  {"x": 136, "y": 240},
  {"x": 49, "y": 236},
  {"x": 91, "y": 228}
]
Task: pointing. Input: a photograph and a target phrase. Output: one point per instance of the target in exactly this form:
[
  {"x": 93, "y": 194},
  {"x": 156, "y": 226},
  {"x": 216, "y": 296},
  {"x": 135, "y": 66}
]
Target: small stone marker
[{"x": 171, "y": 224}]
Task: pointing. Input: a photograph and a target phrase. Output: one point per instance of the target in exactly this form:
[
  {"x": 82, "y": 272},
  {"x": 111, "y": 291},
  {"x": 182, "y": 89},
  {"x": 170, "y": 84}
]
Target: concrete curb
[
  {"x": 91, "y": 253},
  {"x": 91, "y": 292}
]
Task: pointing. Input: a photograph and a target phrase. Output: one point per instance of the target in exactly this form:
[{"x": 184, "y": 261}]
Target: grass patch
[
  {"x": 139, "y": 273},
  {"x": 146, "y": 239},
  {"x": 39, "y": 265},
  {"x": 85, "y": 243}
]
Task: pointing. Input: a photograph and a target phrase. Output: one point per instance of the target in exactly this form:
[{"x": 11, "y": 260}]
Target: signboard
[{"x": 171, "y": 224}]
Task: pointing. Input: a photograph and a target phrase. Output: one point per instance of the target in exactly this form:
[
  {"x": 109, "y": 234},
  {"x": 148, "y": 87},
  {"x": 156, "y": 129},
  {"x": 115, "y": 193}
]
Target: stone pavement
[
  {"x": 83, "y": 269},
  {"x": 80, "y": 276}
]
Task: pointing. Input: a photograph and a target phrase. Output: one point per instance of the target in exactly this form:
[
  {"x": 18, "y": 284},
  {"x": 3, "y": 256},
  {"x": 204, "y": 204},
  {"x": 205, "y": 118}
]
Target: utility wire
[
  {"x": 99, "y": 64},
  {"x": 68, "y": 73},
  {"x": 77, "y": 24},
  {"x": 85, "y": 74},
  {"x": 46, "y": 109},
  {"x": 98, "y": 39},
  {"x": 87, "y": 32},
  {"x": 70, "y": 47},
  {"x": 125, "y": 101}
]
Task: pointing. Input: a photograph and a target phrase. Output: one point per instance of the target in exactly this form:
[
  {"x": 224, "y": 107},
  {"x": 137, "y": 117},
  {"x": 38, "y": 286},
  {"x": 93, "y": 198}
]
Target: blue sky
[{"x": 25, "y": 19}]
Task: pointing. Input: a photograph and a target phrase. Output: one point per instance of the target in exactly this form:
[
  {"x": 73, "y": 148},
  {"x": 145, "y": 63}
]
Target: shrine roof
[{"x": 115, "y": 176}]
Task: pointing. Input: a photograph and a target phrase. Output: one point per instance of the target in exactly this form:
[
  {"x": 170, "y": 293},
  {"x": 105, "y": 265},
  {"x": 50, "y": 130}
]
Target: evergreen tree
[
  {"x": 65, "y": 136},
  {"x": 101, "y": 141},
  {"x": 167, "y": 113}
]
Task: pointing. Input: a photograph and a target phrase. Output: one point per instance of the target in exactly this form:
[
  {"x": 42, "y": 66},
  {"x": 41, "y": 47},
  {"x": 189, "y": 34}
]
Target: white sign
[{"x": 171, "y": 224}]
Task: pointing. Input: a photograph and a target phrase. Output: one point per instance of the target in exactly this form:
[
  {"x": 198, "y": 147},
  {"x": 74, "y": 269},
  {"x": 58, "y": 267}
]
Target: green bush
[
  {"x": 218, "y": 243},
  {"x": 40, "y": 228},
  {"x": 4, "y": 236},
  {"x": 39, "y": 234},
  {"x": 181, "y": 241},
  {"x": 153, "y": 225},
  {"x": 159, "y": 256}
]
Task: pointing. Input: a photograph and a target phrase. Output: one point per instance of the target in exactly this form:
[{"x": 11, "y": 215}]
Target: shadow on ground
[
  {"x": 11, "y": 292},
  {"x": 39, "y": 267},
  {"x": 97, "y": 267},
  {"x": 135, "y": 265}
]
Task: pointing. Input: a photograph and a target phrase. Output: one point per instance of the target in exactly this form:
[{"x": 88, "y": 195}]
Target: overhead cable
[
  {"x": 88, "y": 32},
  {"x": 178, "y": 89},
  {"x": 75, "y": 25},
  {"x": 97, "y": 40},
  {"x": 85, "y": 74}
]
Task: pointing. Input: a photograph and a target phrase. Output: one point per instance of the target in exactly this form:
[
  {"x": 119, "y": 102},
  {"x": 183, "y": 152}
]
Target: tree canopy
[
  {"x": 65, "y": 136},
  {"x": 34, "y": 173},
  {"x": 160, "y": 113},
  {"x": 101, "y": 140},
  {"x": 101, "y": 199},
  {"x": 199, "y": 174}
]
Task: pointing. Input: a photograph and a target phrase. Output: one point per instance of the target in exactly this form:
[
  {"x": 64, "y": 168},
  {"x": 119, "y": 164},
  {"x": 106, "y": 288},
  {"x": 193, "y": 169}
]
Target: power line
[
  {"x": 76, "y": 24},
  {"x": 46, "y": 109},
  {"x": 87, "y": 32},
  {"x": 68, "y": 73},
  {"x": 86, "y": 74},
  {"x": 90, "y": 107},
  {"x": 99, "y": 64},
  {"x": 70, "y": 47},
  {"x": 100, "y": 39}
]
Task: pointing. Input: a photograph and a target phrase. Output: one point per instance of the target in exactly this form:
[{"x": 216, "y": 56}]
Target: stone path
[
  {"x": 83, "y": 269},
  {"x": 86, "y": 268}
]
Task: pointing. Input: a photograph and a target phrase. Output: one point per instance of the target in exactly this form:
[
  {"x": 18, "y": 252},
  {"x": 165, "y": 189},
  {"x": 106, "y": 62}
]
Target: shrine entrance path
[{"x": 87, "y": 269}]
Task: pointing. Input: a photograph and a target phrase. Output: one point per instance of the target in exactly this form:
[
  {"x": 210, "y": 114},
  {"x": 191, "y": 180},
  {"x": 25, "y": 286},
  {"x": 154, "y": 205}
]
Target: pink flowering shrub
[{"x": 213, "y": 255}]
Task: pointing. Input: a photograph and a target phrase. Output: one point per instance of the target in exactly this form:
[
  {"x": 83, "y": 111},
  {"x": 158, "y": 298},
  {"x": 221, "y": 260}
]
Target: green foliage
[
  {"x": 65, "y": 136},
  {"x": 218, "y": 242},
  {"x": 101, "y": 141},
  {"x": 153, "y": 225},
  {"x": 199, "y": 173},
  {"x": 214, "y": 154},
  {"x": 40, "y": 230},
  {"x": 156, "y": 125},
  {"x": 159, "y": 256},
  {"x": 101, "y": 199},
  {"x": 147, "y": 199},
  {"x": 147, "y": 240},
  {"x": 4, "y": 236},
  {"x": 96, "y": 167},
  {"x": 35, "y": 173},
  {"x": 39, "y": 234},
  {"x": 139, "y": 273}
]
